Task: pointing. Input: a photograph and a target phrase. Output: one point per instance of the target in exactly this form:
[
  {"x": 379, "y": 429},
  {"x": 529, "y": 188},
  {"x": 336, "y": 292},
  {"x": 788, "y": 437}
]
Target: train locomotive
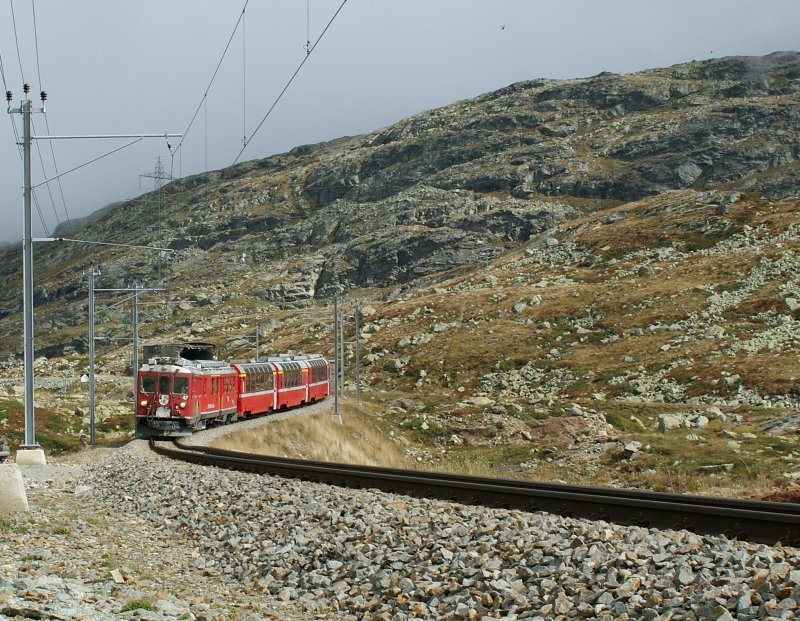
[{"x": 183, "y": 388}]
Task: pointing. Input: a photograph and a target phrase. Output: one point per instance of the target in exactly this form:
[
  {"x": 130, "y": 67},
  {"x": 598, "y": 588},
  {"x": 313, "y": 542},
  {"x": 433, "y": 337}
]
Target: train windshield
[
  {"x": 180, "y": 385},
  {"x": 148, "y": 383},
  {"x": 163, "y": 385}
]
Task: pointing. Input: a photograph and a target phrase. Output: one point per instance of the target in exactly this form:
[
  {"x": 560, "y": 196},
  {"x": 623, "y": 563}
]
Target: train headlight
[
  {"x": 143, "y": 403},
  {"x": 182, "y": 404}
]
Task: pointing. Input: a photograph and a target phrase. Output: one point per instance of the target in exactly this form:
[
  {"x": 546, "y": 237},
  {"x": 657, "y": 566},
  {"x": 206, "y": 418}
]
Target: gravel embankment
[
  {"x": 378, "y": 556},
  {"x": 252, "y": 543},
  {"x": 79, "y": 555}
]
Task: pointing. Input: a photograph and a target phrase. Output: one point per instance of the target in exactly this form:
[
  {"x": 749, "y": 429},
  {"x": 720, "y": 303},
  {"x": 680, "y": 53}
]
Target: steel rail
[{"x": 750, "y": 520}]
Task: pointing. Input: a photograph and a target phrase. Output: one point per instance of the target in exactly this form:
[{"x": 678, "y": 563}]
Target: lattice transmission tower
[{"x": 157, "y": 199}]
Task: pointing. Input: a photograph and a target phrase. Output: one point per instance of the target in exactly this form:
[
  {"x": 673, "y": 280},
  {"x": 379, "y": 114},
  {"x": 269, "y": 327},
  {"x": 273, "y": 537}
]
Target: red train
[{"x": 183, "y": 388}]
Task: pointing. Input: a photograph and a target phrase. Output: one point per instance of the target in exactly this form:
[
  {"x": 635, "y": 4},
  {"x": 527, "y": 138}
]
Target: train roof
[
  {"x": 183, "y": 363},
  {"x": 190, "y": 350},
  {"x": 289, "y": 357}
]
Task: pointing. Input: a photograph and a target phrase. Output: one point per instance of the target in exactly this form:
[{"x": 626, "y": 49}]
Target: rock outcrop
[{"x": 443, "y": 190}]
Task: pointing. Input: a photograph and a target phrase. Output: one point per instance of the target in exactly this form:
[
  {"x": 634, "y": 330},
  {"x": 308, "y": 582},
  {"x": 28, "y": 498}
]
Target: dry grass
[{"x": 356, "y": 441}]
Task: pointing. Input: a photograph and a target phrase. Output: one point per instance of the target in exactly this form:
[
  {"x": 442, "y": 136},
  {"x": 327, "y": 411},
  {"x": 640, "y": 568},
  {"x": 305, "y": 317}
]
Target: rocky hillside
[
  {"x": 447, "y": 188},
  {"x": 620, "y": 241}
]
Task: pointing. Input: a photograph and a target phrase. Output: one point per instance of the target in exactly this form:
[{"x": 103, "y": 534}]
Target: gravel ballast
[
  {"x": 230, "y": 545},
  {"x": 372, "y": 555}
]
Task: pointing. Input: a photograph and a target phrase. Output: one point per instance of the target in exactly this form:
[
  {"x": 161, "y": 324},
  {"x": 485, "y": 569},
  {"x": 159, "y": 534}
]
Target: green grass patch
[
  {"x": 432, "y": 434},
  {"x": 139, "y": 604},
  {"x": 9, "y": 407},
  {"x": 621, "y": 422},
  {"x": 118, "y": 423},
  {"x": 704, "y": 242}
]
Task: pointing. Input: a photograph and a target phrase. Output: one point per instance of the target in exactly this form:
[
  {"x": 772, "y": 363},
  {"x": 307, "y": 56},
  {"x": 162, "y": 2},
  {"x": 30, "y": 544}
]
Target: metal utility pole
[
  {"x": 27, "y": 271},
  {"x": 336, "y": 416},
  {"x": 135, "y": 322},
  {"x": 357, "y": 321},
  {"x": 92, "y": 274},
  {"x": 258, "y": 345},
  {"x": 135, "y": 289},
  {"x": 341, "y": 350},
  {"x": 26, "y": 110}
]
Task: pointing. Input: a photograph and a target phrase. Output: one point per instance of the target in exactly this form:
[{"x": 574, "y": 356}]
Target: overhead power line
[
  {"x": 16, "y": 40},
  {"x": 39, "y": 211},
  {"x": 294, "y": 75},
  {"x": 47, "y": 124},
  {"x": 11, "y": 118},
  {"x": 3, "y": 72},
  {"x": 208, "y": 88},
  {"x": 44, "y": 172}
]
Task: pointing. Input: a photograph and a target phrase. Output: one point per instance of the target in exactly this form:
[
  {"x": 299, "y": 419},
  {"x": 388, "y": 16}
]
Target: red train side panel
[
  {"x": 257, "y": 388},
  {"x": 301, "y": 379}
]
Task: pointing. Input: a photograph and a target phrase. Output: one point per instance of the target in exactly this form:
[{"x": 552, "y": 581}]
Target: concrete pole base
[
  {"x": 31, "y": 457},
  {"x": 12, "y": 490},
  {"x": 337, "y": 418}
]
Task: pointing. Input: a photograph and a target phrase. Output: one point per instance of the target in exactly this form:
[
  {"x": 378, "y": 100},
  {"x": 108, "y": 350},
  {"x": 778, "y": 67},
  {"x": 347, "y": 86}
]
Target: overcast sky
[{"x": 143, "y": 67}]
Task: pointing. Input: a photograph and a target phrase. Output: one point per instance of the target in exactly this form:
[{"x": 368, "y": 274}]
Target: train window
[
  {"x": 258, "y": 377},
  {"x": 163, "y": 384},
  {"x": 292, "y": 374},
  {"x": 180, "y": 385},
  {"x": 147, "y": 383},
  {"x": 288, "y": 378},
  {"x": 319, "y": 370}
]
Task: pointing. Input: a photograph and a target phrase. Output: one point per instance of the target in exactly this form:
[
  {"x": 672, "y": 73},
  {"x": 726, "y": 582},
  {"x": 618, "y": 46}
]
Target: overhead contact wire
[
  {"x": 219, "y": 64},
  {"x": 288, "y": 84}
]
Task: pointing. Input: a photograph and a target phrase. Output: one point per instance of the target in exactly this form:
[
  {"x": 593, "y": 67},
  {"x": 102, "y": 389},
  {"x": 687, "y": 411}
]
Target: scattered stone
[
  {"x": 479, "y": 401},
  {"x": 631, "y": 449}
]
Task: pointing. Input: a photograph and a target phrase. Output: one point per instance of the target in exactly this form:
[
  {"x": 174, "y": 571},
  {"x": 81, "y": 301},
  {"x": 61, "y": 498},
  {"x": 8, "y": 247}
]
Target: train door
[
  {"x": 162, "y": 397},
  {"x": 275, "y": 388},
  {"x": 196, "y": 393},
  {"x": 215, "y": 400},
  {"x": 229, "y": 392}
]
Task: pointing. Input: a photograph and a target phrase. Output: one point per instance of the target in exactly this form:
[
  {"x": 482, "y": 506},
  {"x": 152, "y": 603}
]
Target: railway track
[{"x": 749, "y": 520}]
